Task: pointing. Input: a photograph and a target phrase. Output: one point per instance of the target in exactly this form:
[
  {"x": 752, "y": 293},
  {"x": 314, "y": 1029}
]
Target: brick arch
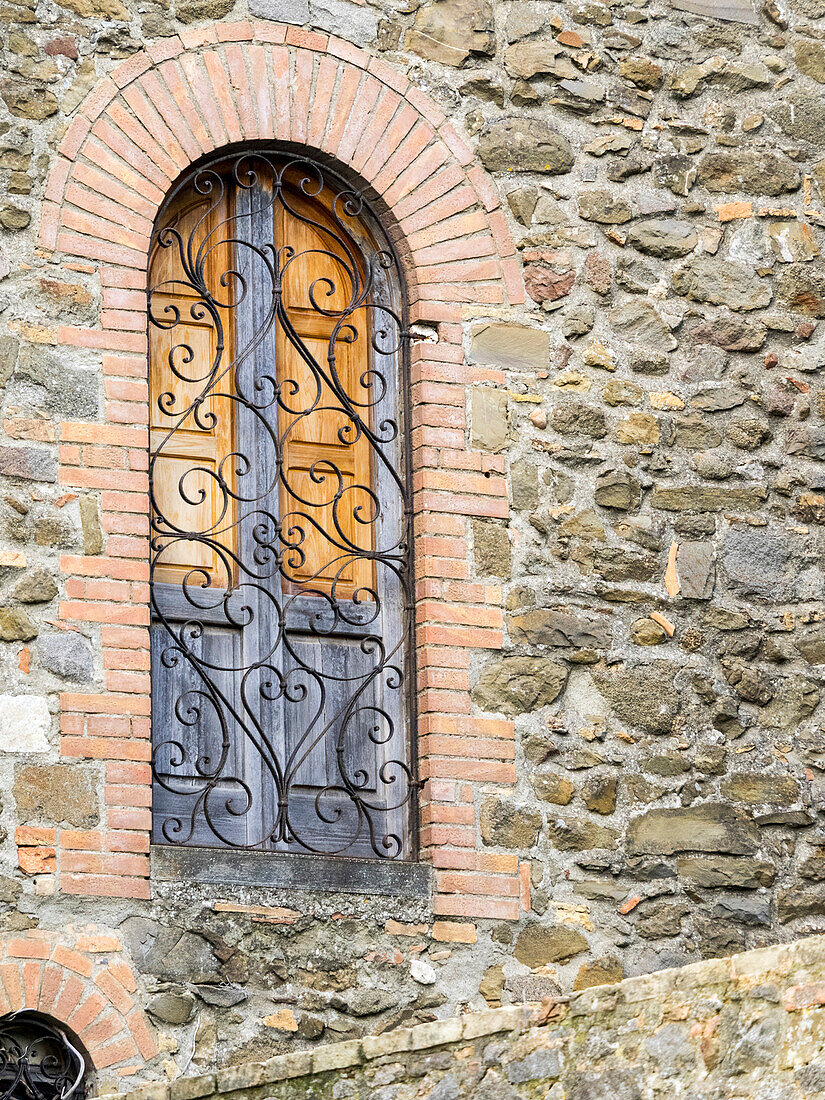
[
  {"x": 191, "y": 95},
  {"x": 158, "y": 112},
  {"x": 82, "y": 981}
]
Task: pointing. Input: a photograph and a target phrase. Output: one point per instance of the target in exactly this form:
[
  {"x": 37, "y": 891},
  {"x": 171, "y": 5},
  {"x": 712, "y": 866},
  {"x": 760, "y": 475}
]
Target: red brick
[
  {"x": 128, "y": 795},
  {"x": 106, "y": 886},
  {"x": 126, "y": 818},
  {"x": 169, "y": 163},
  {"x": 88, "y": 840},
  {"x": 269, "y": 32},
  {"x": 128, "y": 771},
  {"x": 479, "y": 771},
  {"x": 296, "y": 36},
  {"x": 165, "y": 105},
  {"x": 164, "y": 48},
  {"x": 388, "y": 75},
  {"x": 524, "y": 885},
  {"x": 126, "y": 636},
  {"x": 347, "y": 52},
  {"x": 456, "y": 835},
  {"x": 281, "y": 90},
  {"x": 10, "y": 973},
  {"x": 389, "y": 141},
  {"x": 111, "y": 210},
  {"x": 461, "y": 860},
  {"x": 101, "y": 704},
  {"x": 82, "y": 611},
  {"x": 86, "y": 1011},
  {"x": 27, "y": 948},
  {"x": 301, "y": 86},
  {"x": 261, "y": 96},
  {"x": 58, "y": 176},
  {"x": 69, "y": 997},
  {"x": 388, "y": 104},
  {"x": 472, "y": 882},
  {"x": 121, "y": 840},
  {"x": 72, "y": 960},
  {"x": 403, "y": 156},
  {"x": 126, "y": 659},
  {"x": 409, "y": 194},
  {"x": 102, "y": 1030},
  {"x": 34, "y": 834},
  {"x": 452, "y": 905},
  {"x": 175, "y": 83},
  {"x": 202, "y": 94},
  {"x": 342, "y": 108},
  {"x": 141, "y": 1033},
  {"x": 114, "y": 991},
  {"x": 240, "y": 31},
  {"x": 50, "y": 987},
  {"x": 120, "y": 1050},
  {"x": 356, "y": 123},
  {"x": 31, "y": 973},
  {"x": 223, "y": 95},
  {"x": 130, "y": 69},
  {"x": 244, "y": 101},
  {"x": 74, "y": 137},
  {"x": 37, "y": 861}
]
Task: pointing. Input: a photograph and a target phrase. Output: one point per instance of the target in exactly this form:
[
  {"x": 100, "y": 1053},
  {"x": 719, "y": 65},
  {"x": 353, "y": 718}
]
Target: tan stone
[
  {"x": 283, "y": 1020},
  {"x": 55, "y": 793},
  {"x": 450, "y": 931},
  {"x": 638, "y": 429},
  {"x": 449, "y": 31},
  {"x": 606, "y": 970}
]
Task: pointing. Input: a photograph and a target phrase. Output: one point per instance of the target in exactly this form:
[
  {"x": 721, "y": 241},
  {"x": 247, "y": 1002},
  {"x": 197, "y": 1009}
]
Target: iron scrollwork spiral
[{"x": 281, "y": 587}]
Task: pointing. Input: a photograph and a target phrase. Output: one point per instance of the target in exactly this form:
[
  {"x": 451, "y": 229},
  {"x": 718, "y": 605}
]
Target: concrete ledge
[{"x": 219, "y": 866}]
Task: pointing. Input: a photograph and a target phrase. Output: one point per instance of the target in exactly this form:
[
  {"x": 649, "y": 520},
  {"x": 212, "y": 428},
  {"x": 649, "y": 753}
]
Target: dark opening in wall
[{"x": 40, "y": 1059}]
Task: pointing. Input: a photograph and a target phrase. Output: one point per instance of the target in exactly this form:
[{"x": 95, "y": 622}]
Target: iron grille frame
[{"x": 375, "y": 215}]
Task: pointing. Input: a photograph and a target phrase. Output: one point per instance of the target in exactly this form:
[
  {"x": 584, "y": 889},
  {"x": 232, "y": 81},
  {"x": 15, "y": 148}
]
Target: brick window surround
[{"x": 158, "y": 112}]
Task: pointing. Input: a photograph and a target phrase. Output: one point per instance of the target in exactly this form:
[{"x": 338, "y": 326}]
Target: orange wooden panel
[
  {"x": 186, "y": 490},
  {"x": 325, "y": 456}
]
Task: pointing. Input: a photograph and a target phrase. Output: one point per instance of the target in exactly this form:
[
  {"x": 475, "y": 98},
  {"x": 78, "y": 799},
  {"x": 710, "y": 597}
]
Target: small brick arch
[
  {"x": 80, "y": 980},
  {"x": 158, "y": 112}
]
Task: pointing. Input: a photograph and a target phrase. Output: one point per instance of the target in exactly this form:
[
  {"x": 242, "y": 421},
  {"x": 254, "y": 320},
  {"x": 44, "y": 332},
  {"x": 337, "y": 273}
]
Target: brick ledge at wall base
[
  {"x": 663, "y": 1033},
  {"x": 157, "y": 112},
  {"x": 79, "y": 978}
]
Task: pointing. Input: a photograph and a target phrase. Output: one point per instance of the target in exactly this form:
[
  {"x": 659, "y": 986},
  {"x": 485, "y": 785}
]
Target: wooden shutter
[
  {"x": 295, "y": 701},
  {"x": 194, "y": 699}
]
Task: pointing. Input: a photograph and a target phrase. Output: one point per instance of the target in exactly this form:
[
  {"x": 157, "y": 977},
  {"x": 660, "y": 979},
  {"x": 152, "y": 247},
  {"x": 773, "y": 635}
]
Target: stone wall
[
  {"x": 751, "y": 1026},
  {"x": 633, "y": 782}
]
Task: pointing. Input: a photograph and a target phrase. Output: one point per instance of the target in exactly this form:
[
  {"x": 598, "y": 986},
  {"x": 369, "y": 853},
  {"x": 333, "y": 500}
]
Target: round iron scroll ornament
[{"x": 38, "y": 1060}]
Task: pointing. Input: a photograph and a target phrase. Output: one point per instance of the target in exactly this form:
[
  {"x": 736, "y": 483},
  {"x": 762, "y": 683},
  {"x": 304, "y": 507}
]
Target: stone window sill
[{"x": 299, "y": 872}]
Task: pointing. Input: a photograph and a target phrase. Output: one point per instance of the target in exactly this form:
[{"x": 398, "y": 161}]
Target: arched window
[
  {"x": 40, "y": 1059},
  {"x": 281, "y": 522}
]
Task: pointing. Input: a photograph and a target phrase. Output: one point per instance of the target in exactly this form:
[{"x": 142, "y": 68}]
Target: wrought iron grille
[
  {"x": 37, "y": 1060},
  {"x": 280, "y": 516}
]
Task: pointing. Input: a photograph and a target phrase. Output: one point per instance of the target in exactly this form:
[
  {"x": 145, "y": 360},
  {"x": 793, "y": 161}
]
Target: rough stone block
[{"x": 25, "y": 723}]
